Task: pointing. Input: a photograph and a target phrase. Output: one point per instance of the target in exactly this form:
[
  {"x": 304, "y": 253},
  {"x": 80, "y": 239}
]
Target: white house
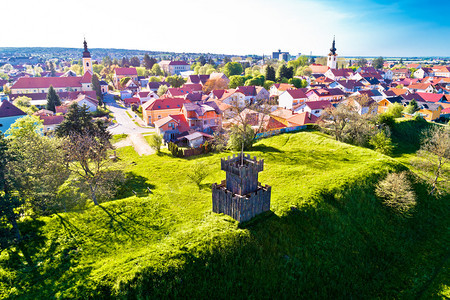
[
  {"x": 315, "y": 108},
  {"x": 291, "y": 98}
]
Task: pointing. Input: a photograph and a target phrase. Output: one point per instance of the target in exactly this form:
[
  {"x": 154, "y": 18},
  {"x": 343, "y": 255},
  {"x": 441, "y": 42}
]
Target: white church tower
[
  {"x": 332, "y": 57},
  {"x": 87, "y": 64}
]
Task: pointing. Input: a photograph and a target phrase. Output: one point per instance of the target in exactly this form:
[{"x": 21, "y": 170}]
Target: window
[
  {"x": 87, "y": 64},
  {"x": 159, "y": 117},
  {"x": 168, "y": 106}
]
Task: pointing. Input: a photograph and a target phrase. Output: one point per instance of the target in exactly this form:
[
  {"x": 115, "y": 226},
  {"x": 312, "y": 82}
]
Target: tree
[
  {"x": 241, "y": 137},
  {"x": 135, "y": 61},
  {"x": 85, "y": 146},
  {"x": 41, "y": 169},
  {"x": 202, "y": 60},
  {"x": 270, "y": 73},
  {"x": 106, "y": 61},
  {"x": 382, "y": 142},
  {"x": 435, "y": 154},
  {"x": 285, "y": 72},
  {"x": 268, "y": 84},
  {"x": 401, "y": 61},
  {"x": 236, "y": 81},
  {"x": 24, "y": 103},
  {"x": 125, "y": 62},
  {"x": 96, "y": 87},
  {"x": 175, "y": 81},
  {"x": 214, "y": 84},
  {"x": 149, "y": 61},
  {"x": 162, "y": 90},
  {"x": 9, "y": 202},
  {"x": 52, "y": 99},
  {"x": 394, "y": 110},
  {"x": 156, "y": 70},
  {"x": 232, "y": 68},
  {"x": 296, "y": 82},
  {"x": 412, "y": 107},
  {"x": 156, "y": 142},
  {"x": 396, "y": 192},
  {"x": 378, "y": 63},
  {"x": 361, "y": 62}
]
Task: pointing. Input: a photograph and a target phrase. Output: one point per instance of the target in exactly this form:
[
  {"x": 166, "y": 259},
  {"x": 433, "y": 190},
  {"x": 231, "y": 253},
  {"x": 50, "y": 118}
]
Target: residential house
[
  {"x": 374, "y": 94},
  {"x": 301, "y": 119},
  {"x": 254, "y": 94},
  {"x": 291, "y": 98},
  {"x": 318, "y": 69},
  {"x": 333, "y": 95},
  {"x": 278, "y": 88},
  {"x": 171, "y": 127},
  {"x": 197, "y": 79},
  {"x": 314, "y": 108},
  {"x": 203, "y": 116},
  {"x": 384, "y": 104},
  {"x": 347, "y": 86},
  {"x": 87, "y": 101},
  {"x": 120, "y": 73},
  {"x": 401, "y": 73},
  {"x": 219, "y": 76},
  {"x": 30, "y": 85},
  {"x": 50, "y": 122},
  {"x": 174, "y": 67},
  {"x": 363, "y": 104},
  {"x": 9, "y": 113},
  {"x": 339, "y": 74},
  {"x": 441, "y": 71},
  {"x": 423, "y": 72},
  {"x": 282, "y": 115},
  {"x": 145, "y": 96},
  {"x": 431, "y": 97},
  {"x": 157, "y": 109},
  {"x": 420, "y": 87}
]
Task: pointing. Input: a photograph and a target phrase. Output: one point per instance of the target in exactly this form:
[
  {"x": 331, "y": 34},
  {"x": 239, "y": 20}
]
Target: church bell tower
[
  {"x": 332, "y": 57},
  {"x": 87, "y": 64}
]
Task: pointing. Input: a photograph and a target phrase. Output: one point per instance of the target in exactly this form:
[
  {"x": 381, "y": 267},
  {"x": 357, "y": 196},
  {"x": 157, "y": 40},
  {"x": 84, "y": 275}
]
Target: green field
[{"x": 327, "y": 235}]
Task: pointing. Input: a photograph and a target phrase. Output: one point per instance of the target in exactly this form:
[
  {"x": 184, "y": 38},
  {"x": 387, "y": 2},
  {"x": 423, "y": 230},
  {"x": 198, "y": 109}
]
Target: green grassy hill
[{"x": 327, "y": 234}]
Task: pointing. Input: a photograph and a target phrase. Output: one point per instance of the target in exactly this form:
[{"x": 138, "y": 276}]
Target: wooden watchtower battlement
[{"x": 241, "y": 196}]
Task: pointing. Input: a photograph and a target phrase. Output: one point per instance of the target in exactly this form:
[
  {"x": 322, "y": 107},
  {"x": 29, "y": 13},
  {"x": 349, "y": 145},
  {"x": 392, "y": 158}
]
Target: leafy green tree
[
  {"x": 240, "y": 136},
  {"x": 412, "y": 107},
  {"x": 41, "y": 168},
  {"x": 382, "y": 143},
  {"x": 270, "y": 73},
  {"x": 236, "y": 81},
  {"x": 232, "y": 68},
  {"x": 175, "y": 81},
  {"x": 162, "y": 90},
  {"x": 125, "y": 62},
  {"x": 268, "y": 84},
  {"x": 285, "y": 72},
  {"x": 135, "y": 61},
  {"x": 401, "y": 61},
  {"x": 149, "y": 61},
  {"x": 156, "y": 142},
  {"x": 378, "y": 63},
  {"x": 106, "y": 61},
  {"x": 395, "y": 110},
  {"x": 361, "y": 62},
  {"x": 156, "y": 70},
  {"x": 24, "y": 103},
  {"x": 155, "y": 79},
  {"x": 296, "y": 82},
  {"x": 202, "y": 60},
  {"x": 52, "y": 99},
  {"x": 96, "y": 87}
]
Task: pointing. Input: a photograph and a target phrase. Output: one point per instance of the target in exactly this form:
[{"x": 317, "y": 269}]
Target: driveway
[{"x": 125, "y": 125}]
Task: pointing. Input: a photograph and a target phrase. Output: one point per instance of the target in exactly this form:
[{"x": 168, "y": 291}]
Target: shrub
[
  {"x": 239, "y": 136},
  {"x": 382, "y": 143},
  {"x": 395, "y": 110},
  {"x": 155, "y": 142},
  {"x": 396, "y": 192},
  {"x": 173, "y": 148}
]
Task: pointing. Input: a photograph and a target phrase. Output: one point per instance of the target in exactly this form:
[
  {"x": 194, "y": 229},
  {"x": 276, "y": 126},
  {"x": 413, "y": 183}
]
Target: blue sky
[{"x": 362, "y": 28}]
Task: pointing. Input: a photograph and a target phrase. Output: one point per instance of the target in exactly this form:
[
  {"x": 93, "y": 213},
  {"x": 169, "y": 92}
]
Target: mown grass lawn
[{"x": 327, "y": 235}]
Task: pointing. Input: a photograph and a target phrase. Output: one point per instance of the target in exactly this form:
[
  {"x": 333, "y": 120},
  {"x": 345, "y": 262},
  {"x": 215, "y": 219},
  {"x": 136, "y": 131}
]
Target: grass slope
[{"x": 327, "y": 235}]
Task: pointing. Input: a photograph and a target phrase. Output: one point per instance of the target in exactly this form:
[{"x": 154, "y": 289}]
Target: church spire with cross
[
  {"x": 87, "y": 64},
  {"x": 332, "y": 57}
]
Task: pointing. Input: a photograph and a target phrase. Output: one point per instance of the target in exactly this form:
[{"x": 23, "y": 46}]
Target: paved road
[{"x": 124, "y": 123}]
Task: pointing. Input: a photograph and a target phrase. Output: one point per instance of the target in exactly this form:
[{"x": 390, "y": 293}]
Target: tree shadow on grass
[
  {"x": 134, "y": 185},
  {"x": 264, "y": 149}
]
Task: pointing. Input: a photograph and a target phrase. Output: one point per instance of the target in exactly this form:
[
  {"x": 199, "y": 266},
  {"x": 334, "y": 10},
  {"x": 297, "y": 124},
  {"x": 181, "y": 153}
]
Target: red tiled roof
[
  {"x": 247, "y": 90},
  {"x": 297, "y": 93},
  {"x": 132, "y": 100},
  {"x": 178, "y": 63},
  {"x": 302, "y": 119},
  {"x": 322, "y": 104},
  {"x": 51, "y": 120},
  {"x": 87, "y": 77},
  {"x": 197, "y": 87},
  {"x": 7, "y": 109},
  {"x": 430, "y": 97},
  {"x": 126, "y": 71},
  {"x": 45, "y": 82},
  {"x": 164, "y": 103}
]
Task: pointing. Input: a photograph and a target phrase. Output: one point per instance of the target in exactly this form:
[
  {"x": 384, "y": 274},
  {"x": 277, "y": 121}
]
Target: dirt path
[{"x": 138, "y": 142}]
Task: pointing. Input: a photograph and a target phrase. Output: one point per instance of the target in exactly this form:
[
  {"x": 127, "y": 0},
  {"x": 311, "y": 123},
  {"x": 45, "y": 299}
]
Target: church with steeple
[{"x": 332, "y": 57}]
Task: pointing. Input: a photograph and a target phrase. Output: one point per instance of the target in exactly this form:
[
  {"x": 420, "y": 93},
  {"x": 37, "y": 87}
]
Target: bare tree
[
  {"x": 396, "y": 192},
  {"x": 435, "y": 154},
  {"x": 86, "y": 156}
]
